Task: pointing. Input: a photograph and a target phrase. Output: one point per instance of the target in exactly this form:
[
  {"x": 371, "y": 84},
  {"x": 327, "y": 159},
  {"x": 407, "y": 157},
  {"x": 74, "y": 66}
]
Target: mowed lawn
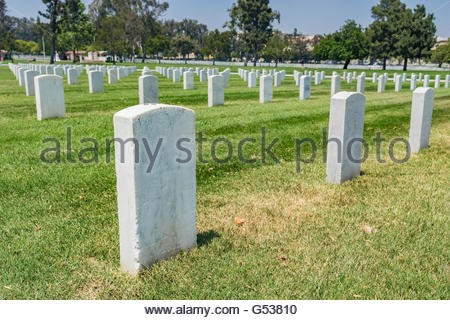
[{"x": 264, "y": 230}]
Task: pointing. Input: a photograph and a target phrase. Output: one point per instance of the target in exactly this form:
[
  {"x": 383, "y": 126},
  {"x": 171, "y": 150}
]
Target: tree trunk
[
  {"x": 347, "y": 62},
  {"x": 384, "y": 63},
  {"x": 440, "y": 65},
  {"x": 74, "y": 55},
  {"x": 144, "y": 55},
  {"x": 405, "y": 64},
  {"x": 276, "y": 64},
  {"x": 52, "y": 49},
  {"x": 214, "y": 61}
]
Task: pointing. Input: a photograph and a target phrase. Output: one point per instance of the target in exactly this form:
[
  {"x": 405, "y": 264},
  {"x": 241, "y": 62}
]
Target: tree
[
  {"x": 252, "y": 20},
  {"x": 441, "y": 55},
  {"x": 183, "y": 45},
  {"x": 218, "y": 45},
  {"x": 350, "y": 42},
  {"x": 53, "y": 12},
  {"x": 416, "y": 36},
  {"x": 383, "y": 32},
  {"x": 148, "y": 12},
  {"x": 158, "y": 45},
  {"x": 26, "y": 47},
  {"x": 6, "y": 39},
  {"x": 76, "y": 27},
  {"x": 276, "y": 48},
  {"x": 110, "y": 36}
]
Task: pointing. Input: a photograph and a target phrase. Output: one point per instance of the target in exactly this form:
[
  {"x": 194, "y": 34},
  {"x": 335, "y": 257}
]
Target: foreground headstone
[
  {"x": 421, "y": 116},
  {"x": 96, "y": 82},
  {"x": 305, "y": 87},
  {"x": 49, "y": 97},
  {"x": 265, "y": 89},
  {"x": 29, "y": 82},
  {"x": 156, "y": 196},
  {"x": 345, "y": 137},
  {"x": 216, "y": 94},
  {"x": 21, "y": 76},
  {"x": 148, "y": 89}
]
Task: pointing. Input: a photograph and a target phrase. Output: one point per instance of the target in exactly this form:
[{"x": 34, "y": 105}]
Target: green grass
[{"x": 301, "y": 239}]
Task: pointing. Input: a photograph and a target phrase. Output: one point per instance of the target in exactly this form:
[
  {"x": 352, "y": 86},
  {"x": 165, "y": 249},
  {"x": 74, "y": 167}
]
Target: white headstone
[
  {"x": 148, "y": 89},
  {"x": 216, "y": 94},
  {"x": 277, "y": 79},
  {"x": 345, "y": 137},
  {"x": 252, "y": 80},
  {"x": 156, "y": 183},
  {"x": 305, "y": 87},
  {"x": 72, "y": 76},
  {"x": 265, "y": 89},
  {"x": 426, "y": 81},
  {"x": 447, "y": 81},
  {"x": 381, "y": 84},
  {"x": 58, "y": 71},
  {"x": 437, "y": 82},
  {"x": 21, "y": 74},
  {"x": 49, "y": 97},
  {"x": 29, "y": 82},
  {"x": 361, "y": 84},
  {"x": 335, "y": 84},
  {"x": 374, "y": 77},
  {"x": 112, "y": 76},
  {"x": 421, "y": 116},
  {"x": 398, "y": 83},
  {"x": 188, "y": 80},
  {"x": 203, "y": 76},
  {"x": 413, "y": 84},
  {"x": 96, "y": 82}
]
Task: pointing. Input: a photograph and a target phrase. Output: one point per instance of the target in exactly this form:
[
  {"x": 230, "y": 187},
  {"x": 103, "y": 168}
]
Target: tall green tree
[
  {"x": 253, "y": 21},
  {"x": 276, "y": 48},
  {"x": 383, "y": 33},
  {"x": 53, "y": 13},
  {"x": 76, "y": 27},
  {"x": 110, "y": 36},
  {"x": 183, "y": 45},
  {"x": 441, "y": 55},
  {"x": 349, "y": 43},
  {"x": 417, "y": 35},
  {"x": 218, "y": 45},
  {"x": 158, "y": 45},
  {"x": 7, "y": 41}
]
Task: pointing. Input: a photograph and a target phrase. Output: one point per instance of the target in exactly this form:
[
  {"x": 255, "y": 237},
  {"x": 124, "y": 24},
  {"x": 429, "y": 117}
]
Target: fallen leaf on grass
[
  {"x": 239, "y": 221},
  {"x": 367, "y": 229}
]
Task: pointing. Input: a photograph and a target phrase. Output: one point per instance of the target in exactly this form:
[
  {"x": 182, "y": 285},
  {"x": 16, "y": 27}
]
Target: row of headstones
[
  {"x": 175, "y": 74},
  {"x": 156, "y": 225},
  {"x": 25, "y": 74}
]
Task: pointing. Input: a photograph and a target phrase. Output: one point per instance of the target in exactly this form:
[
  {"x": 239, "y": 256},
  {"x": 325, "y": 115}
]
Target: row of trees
[
  {"x": 396, "y": 32},
  {"x": 136, "y": 28}
]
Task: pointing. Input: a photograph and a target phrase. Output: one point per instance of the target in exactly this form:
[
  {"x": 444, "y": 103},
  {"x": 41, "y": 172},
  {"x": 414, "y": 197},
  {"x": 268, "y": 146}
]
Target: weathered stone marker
[
  {"x": 49, "y": 97},
  {"x": 345, "y": 137},
  {"x": 421, "y": 116},
  {"x": 335, "y": 84},
  {"x": 216, "y": 94},
  {"x": 72, "y": 76},
  {"x": 252, "y": 80},
  {"x": 265, "y": 89},
  {"x": 29, "y": 82},
  {"x": 305, "y": 87},
  {"x": 413, "y": 84},
  {"x": 437, "y": 82},
  {"x": 426, "y": 81},
  {"x": 381, "y": 84},
  {"x": 156, "y": 183},
  {"x": 96, "y": 82},
  {"x": 361, "y": 84},
  {"x": 148, "y": 89},
  {"x": 188, "y": 80}
]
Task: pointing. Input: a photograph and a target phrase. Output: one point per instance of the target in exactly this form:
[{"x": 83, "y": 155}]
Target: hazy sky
[{"x": 309, "y": 17}]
